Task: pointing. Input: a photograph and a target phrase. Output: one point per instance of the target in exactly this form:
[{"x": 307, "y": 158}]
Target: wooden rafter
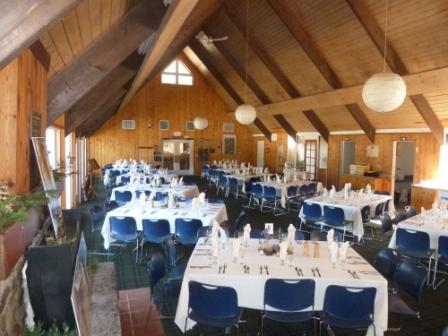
[
  {"x": 261, "y": 126},
  {"x": 23, "y": 21},
  {"x": 362, "y": 120},
  {"x": 289, "y": 129},
  {"x": 314, "y": 119},
  {"x": 395, "y": 63},
  {"x": 257, "y": 46},
  {"x": 104, "y": 55},
  {"x": 428, "y": 116},
  {"x": 293, "y": 24},
  {"x": 239, "y": 69},
  {"x": 182, "y": 21},
  {"x": 203, "y": 56}
]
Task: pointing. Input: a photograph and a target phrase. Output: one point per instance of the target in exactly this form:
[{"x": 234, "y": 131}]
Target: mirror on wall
[{"x": 347, "y": 155}]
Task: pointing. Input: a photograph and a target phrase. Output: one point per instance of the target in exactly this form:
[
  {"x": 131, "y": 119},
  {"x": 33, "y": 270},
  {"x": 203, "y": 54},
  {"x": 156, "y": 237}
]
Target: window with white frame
[
  {"x": 53, "y": 145},
  {"x": 177, "y": 73}
]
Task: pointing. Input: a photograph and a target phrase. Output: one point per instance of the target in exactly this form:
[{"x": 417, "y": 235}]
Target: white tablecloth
[
  {"x": 435, "y": 223},
  {"x": 206, "y": 214},
  {"x": 179, "y": 190},
  {"x": 250, "y": 287},
  {"x": 352, "y": 208},
  {"x": 282, "y": 188}
]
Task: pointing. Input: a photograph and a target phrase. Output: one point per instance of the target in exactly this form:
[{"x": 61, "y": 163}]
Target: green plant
[
  {"x": 64, "y": 168},
  {"x": 14, "y": 208},
  {"x": 55, "y": 330}
]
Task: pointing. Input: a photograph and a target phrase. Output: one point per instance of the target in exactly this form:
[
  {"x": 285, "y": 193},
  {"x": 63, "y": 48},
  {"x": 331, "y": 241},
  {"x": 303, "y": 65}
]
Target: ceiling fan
[{"x": 210, "y": 39}]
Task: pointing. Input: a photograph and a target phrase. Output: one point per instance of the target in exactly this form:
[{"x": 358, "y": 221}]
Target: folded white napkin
[
  {"x": 343, "y": 248},
  {"x": 142, "y": 198},
  {"x": 330, "y": 236},
  {"x": 333, "y": 247},
  {"x": 368, "y": 187},
  {"x": 285, "y": 179},
  {"x": 360, "y": 192},
  {"x": 266, "y": 170},
  {"x": 320, "y": 187},
  {"x": 246, "y": 233},
  {"x": 194, "y": 203},
  {"x": 422, "y": 211},
  {"x": 291, "y": 232},
  {"x": 215, "y": 229},
  {"x": 325, "y": 193},
  {"x": 236, "y": 248},
  {"x": 283, "y": 250},
  {"x": 435, "y": 206},
  {"x": 201, "y": 199},
  {"x": 295, "y": 177},
  {"x": 332, "y": 192},
  {"x": 181, "y": 180},
  {"x": 345, "y": 193},
  {"x": 171, "y": 201}
]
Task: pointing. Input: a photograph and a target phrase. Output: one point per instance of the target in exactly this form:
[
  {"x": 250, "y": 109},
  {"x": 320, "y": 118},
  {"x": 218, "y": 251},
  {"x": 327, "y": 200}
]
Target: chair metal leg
[{"x": 262, "y": 326}]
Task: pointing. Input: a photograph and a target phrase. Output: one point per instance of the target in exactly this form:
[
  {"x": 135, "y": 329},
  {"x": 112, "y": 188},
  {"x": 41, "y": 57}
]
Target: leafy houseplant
[
  {"x": 55, "y": 330},
  {"x": 64, "y": 168}
]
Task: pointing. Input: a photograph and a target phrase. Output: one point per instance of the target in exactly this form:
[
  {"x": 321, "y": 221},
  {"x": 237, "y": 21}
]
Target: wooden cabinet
[{"x": 359, "y": 181}]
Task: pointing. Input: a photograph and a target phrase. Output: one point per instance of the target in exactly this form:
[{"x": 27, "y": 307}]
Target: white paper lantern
[
  {"x": 384, "y": 92},
  {"x": 200, "y": 123},
  {"x": 245, "y": 114}
]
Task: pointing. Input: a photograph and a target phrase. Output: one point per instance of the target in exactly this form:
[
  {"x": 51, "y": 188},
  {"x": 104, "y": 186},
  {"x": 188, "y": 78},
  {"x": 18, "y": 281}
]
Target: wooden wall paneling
[
  {"x": 72, "y": 30},
  {"x": 57, "y": 34},
  {"x": 178, "y": 104},
  {"x": 95, "y": 18},
  {"x": 85, "y": 27},
  {"x": 67, "y": 86}
]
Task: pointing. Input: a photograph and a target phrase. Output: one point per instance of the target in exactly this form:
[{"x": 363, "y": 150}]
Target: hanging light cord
[
  {"x": 246, "y": 61},
  {"x": 386, "y": 26}
]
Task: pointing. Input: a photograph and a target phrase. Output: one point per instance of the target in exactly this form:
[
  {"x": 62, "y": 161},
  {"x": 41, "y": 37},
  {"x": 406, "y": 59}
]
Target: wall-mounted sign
[
  {"x": 372, "y": 151},
  {"x": 36, "y": 122}
]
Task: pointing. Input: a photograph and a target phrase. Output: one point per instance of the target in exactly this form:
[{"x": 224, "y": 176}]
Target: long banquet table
[
  {"x": 250, "y": 286},
  {"x": 352, "y": 208},
  {"x": 207, "y": 214},
  {"x": 179, "y": 190},
  {"x": 433, "y": 222}
]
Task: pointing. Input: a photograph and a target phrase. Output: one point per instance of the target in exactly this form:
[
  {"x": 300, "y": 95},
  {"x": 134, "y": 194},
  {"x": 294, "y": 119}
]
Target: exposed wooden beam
[
  {"x": 182, "y": 21},
  {"x": 76, "y": 79},
  {"x": 41, "y": 54},
  {"x": 289, "y": 129},
  {"x": 257, "y": 46},
  {"x": 314, "y": 119},
  {"x": 293, "y": 24},
  {"x": 263, "y": 129},
  {"x": 203, "y": 56},
  {"x": 99, "y": 95},
  {"x": 98, "y": 116},
  {"x": 426, "y": 82},
  {"x": 362, "y": 121},
  {"x": 370, "y": 25},
  {"x": 428, "y": 116},
  {"x": 100, "y": 120},
  {"x": 239, "y": 68},
  {"x": 23, "y": 21}
]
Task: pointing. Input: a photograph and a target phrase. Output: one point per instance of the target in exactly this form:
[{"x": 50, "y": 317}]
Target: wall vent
[
  {"x": 164, "y": 125},
  {"x": 228, "y": 127},
  {"x": 128, "y": 124},
  {"x": 189, "y": 126}
]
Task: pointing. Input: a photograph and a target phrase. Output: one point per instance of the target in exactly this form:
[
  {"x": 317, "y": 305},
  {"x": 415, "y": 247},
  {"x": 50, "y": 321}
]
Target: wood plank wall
[
  {"x": 178, "y": 104},
  {"x": 426, "y": 159},
  {"x": 23, "y": 86},
  {"x": 275, "y": 152}
]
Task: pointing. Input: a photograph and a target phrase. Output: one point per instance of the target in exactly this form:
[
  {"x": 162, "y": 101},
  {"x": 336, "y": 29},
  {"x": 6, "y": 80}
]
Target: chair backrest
[
  {"x": 233, "y": 181},
  {"x": 187, "y": 228},
  {"x": 386, "y": 262},
  {"x": 350, "y": 303},
  {"x": 291, "y": 191},
  {"x": 303, "y": 190},
  {"x": 379, "y": 192},
  {"x": 334, "y": 216},
  {"x": 410, "y": 277},
  {"x": 123, "y": 226},
  {"x": 400, "y": 216},
  {"x": 204, "y": 231},
  {"x": 269, "y": 191},
  {"x": 386, "y": 222},
  {"x": 205, "y": 168},
  {"x": 160, "y": 196},
  {"x": 257, "y": 189},
  {"x": 299, "y": 235},
  {"x": 155, "y": 228},
  {"x": 289, "y": 295},
  {"x": 379, "y": 209},
  {"x": 223, "y": 180},
  {"x": 125, "y": 179},
  {"x": 156, "y": 268},
  {"x": 410, "y": 211},
  {"x": 139, "y": 192},
  {"x": 312, "y": 188},
  {"x": 123, "y": 196},
  {"x": 240, "y": 220},
  {"x": 213, "y": 302},
  {"x": 311, "y": 210},
  {"x": 443, "y": 246},
  {"x": 365, "y": 214},
  {"x": 409, "y": 240},
  {"x": 386, "y": 206}
]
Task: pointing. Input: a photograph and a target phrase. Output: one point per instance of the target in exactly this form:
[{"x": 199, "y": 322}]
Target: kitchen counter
[{"x": 381, "y": 183}]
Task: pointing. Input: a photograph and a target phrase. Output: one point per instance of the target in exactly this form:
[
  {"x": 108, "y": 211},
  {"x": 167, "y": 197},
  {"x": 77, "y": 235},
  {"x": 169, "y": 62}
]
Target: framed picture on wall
[{"x": 229, "y": 144}]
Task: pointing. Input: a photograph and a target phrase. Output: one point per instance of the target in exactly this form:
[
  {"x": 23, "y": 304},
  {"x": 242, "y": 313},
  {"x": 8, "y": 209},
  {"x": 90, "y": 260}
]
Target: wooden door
[{"x": 311, "y": 158}]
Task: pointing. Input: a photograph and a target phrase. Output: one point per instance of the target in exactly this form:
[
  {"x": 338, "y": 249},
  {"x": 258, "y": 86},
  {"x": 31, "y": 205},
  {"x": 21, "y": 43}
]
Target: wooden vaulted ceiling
[{"x": 307, "y": 59}]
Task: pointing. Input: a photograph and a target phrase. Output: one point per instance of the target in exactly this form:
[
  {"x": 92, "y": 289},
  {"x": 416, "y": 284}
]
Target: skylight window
[{"x": 177, "y": 73}]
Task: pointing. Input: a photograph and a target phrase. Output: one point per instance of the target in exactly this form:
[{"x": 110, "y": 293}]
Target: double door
[{"x": 178, "y": 156}]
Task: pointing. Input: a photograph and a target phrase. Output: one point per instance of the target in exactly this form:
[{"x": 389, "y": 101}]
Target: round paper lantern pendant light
[
  {"x": 200, "y": 123},
  {"x": 384, "y": 92},
  {"x": 245, "y": 114}
]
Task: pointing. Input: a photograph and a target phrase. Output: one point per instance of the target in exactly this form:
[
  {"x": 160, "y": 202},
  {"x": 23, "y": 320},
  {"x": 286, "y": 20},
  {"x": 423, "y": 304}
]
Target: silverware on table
[
  {"x": 297, "y": 271},
  {"x": 224, "y": 268},
  {"x": 318, "y": 272},
  {"x": 267, "y": 269},
  {"x": 219, "y": 269},
  {"x": 350, "y": 272},
  {"x": 261, "y": 269}
]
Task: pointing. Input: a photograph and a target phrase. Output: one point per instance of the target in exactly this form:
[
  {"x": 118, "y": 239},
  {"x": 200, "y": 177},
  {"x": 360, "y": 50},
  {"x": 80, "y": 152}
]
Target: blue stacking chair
[
  {"x": 348, "y": 307},
  {"x": 155, "y": 231},
  {"x": 414, "y": 244},
  {"x": 233, "y": 186},
  {"x": 442, "y": 258},
  {"x": 161, "y": 196},
  {"x": 139, "y": 192},
  {"x": 410, "y": 211},
  {"x": 204, "y": 172},
  {"x": 269, "y": 197},
  {"x": 311, "y": 214},
  {"x": 299, "y": 235},
  {"x": 256, "y": 193},
  {"x": 399, "y": 217},
  {"x": 411, "y": 278},
  {"x": 215, "y": 201},
  {"x": 382, "y": 224},
  {"x": 176, "y": 272},
  {"x": 249, "y": 184},
  {"x": 124, "y": 229},
  {"x": 213, "y": 306},
  {"x": 123, "y": 197},
  {"x": 292, "y": 197},
  {"x": 223, "y": 184},
  {"x": 125, "y": 179},
  {"x": 334, "y": 217},
  {"x": 303, "y": 192},
  {"x": 386, "y": 262},
  {"x": 312, "y": 189},
  {"x": 365, "y": 216},
  {"x": 187, "y": 230},
  {"x": 285, "y": 300}
]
